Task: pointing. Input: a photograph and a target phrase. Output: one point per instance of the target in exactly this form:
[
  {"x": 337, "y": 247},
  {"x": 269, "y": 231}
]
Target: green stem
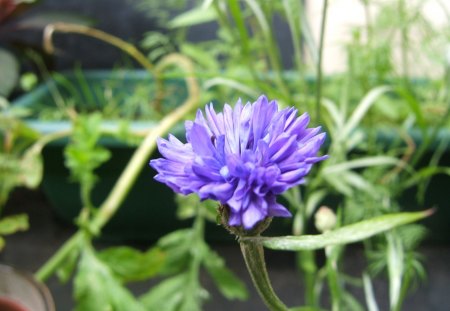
[
  {"x": 236, "y": 13},
  {"x": 319, "y": 61},
  {"x": 126, "y": 47},
  {"x": 333, "y": 276},
  {"x": 253, "y": 254},
  {"x": 270, "y": 44},
  {"x": 118, "y": 194},
  {"x": 53, "y": 263},
  {"x": 307, "y": 264},
  {"x": 404, "y": 39},
  {"x": 293, "y": 14}
]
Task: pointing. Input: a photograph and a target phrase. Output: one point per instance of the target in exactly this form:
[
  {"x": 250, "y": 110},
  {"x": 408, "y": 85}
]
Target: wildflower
[{"x": 243, "y": 158}]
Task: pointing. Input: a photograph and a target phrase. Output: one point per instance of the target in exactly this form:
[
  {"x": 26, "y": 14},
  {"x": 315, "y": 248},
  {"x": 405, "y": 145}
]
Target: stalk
[
  {"x": 118, "y": 193},
  {"x": 296, "y": 32},
  {"x": 253, "y": 254},
  {"x": 319, "y": 61},
  {"x": 306, "y": 262}
]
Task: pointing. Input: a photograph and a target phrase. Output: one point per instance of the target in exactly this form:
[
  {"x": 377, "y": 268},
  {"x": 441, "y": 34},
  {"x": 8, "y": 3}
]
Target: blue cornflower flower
[{"x": 243, "y": 158}]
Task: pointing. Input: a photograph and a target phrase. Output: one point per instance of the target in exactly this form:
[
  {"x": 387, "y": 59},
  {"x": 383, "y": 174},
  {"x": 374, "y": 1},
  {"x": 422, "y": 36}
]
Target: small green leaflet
[{"x": 344, "y": 235}]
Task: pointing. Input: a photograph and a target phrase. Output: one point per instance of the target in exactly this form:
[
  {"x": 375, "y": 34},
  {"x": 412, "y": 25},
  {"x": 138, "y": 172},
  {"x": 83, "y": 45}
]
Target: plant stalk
[
  {"x": 110, "y": 39},
  {"x": 123, "y": 185},
  {"x": 55, "y": 261},
  {"x": 253, "y": 253},
  {"x": 319, "y": 61}
]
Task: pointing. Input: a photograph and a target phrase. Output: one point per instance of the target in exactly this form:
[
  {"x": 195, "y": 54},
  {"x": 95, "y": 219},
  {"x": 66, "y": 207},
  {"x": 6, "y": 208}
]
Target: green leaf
[
  {"x": 177, "y": 247},
  {"x": 32, "y": 168},
  {"x": 97, "y": 289},
  {"x": 166, "y": 296},
  {"x": 360, "y": 163},
  {"x": 371, "y": 302},
  {"x": 66, "y": 269},
  {"x": 10, "y": 72},
  {"x": 83, "y": 155},
  {"x": 192, "y": 17},
  {"x": 130, "y": 264},
  {"x": 227, "y": 283},
  {"x": 344, "y": 235},
  {"x": 201, "y": 56},
  {"x": 360, "y": 111},
  {"x": 12, "y": 224}
]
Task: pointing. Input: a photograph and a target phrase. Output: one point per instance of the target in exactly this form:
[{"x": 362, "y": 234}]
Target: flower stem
[
  {"x": 253, "y": 254},
  {"x": 306, "y": 263},
  {"x": 319, "y": 62}
]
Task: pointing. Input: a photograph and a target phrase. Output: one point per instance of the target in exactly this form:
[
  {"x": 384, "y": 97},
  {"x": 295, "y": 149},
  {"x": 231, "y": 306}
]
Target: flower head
[{"x": 242, "y": 157}]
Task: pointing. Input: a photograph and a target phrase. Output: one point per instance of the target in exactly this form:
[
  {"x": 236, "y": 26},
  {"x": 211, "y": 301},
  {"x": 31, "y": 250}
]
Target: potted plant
[{"x": 360, "y": 182}]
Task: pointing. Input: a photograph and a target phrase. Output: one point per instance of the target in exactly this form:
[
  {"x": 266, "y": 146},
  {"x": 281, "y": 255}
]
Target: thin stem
[
  {"x": 55, "y": 261},
  {"x": 319, "y": 61},
  {"x": 118, "y": 194},
  {"x": 98, "y": 34},
  {"x": 333, "y": 276},
  {"x": 253, "y": 254},
  {"x": 243, "y": 34},
  {"x": 306, "y": 261},
  {"x": 271, "y": 45},
  {"x": 404, "y": 39},
  {"x": 126, "y": 180},
  {"x": 296, "y": 31},
  {"x": 110, "y": 39}
]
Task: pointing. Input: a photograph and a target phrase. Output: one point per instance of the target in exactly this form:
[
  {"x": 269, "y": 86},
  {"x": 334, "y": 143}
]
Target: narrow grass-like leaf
[
  {"x": 192, "y": 17},
  {"x": 362, "y": 109},
  {"x": 334, "y": 112},
  {"x": 361, "y": 162},
  {"x": 396, "y": 269},
  {"x": 369, "y": 294},
  {"x": 230, "y": 83},
  {"x": 344, "y": 235}
]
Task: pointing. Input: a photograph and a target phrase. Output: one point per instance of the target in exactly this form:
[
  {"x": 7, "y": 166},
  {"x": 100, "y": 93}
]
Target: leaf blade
[{"x": 344, "y": 235}]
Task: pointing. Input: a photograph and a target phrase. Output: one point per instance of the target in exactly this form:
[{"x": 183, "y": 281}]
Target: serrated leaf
[
  {"x": 344, "y": 235},
  {"x": 167, "y": 295},
  {"x": 97, "y": 289},
  {"x": 177, "y": 248},
  {"x": 12, "y": 224},
  {"x": 130, "y": 264},
  {"x": 83, "y": 155},
  {"x": 227, "y": 283}
]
